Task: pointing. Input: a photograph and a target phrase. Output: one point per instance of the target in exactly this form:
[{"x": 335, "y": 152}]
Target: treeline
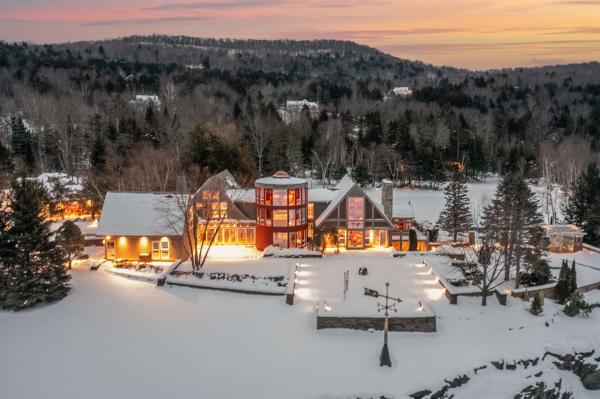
[{"x": 69, "y": 107}]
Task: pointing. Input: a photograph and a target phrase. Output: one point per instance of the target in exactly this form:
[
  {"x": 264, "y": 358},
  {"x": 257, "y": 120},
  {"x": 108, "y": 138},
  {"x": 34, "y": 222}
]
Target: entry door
[
  {"x": 110, "y": 249},
  {"x": 155, "y": 250},
  {"x": 355, "y": 239}
]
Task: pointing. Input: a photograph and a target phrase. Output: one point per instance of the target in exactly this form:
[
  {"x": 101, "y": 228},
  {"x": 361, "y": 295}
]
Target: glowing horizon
[{"x": 475, "y": 34}]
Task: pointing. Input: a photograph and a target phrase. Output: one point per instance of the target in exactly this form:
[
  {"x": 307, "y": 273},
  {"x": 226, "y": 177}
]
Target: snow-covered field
[{"x": 121, "y": 338}]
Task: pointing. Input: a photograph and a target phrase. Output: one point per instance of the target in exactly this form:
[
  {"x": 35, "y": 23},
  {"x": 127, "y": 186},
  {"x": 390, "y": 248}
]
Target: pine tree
[
  {"x": 34, "y": 264},
  {"x": 573, "y": 277},
  {"x": 22, "y": 143},
  {"x": 456, "y": 215},
  {"x": 583, "y": 208},
  {"x": 536, "y": 306},
  {"x": 563, "y": 285},
  {"x": 360, "y": 174},
  {"x": 412, "y": 240},
  {"x": 577, "y": 305},
  {"x": 71, "y": 240},
  {"x": 513, "y": 217}
]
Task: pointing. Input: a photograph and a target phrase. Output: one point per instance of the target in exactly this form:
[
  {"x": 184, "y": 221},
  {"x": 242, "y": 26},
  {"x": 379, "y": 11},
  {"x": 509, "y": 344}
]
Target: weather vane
[{"x": 384, "y": 357}]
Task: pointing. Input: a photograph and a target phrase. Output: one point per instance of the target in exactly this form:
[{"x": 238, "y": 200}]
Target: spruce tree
[
  {"x": 34, "y": 264},
  {"x": 514, "y": 220},
  {"x": 573, "y": 278},
  {"x": 563, "y": 285},
  {"x": 583, "y": 208},
  {"x": 22, "y": 143},
  {"x": 71, "y": 240},
  {"x": 412, "y": 240},
  {"x": 456, "y": 215}
]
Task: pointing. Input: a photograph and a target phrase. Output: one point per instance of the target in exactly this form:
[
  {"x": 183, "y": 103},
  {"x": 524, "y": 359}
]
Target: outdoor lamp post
[{"x": 384, "y": 357}]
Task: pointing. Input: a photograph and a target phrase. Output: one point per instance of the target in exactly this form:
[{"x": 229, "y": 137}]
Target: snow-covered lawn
[{"x": 120, "y": 338}]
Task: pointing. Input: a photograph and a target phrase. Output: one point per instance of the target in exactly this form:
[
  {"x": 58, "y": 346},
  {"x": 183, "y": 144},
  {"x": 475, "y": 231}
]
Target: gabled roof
[
  {"x": 143, "y": 214},
  {"x": 345, "y": 185}
]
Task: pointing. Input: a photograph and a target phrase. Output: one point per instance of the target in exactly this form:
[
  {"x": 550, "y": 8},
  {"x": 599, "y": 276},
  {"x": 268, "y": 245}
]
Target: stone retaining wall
[
  {"x": 550, "y": 292},
  {"x": 405, "y": 324}
]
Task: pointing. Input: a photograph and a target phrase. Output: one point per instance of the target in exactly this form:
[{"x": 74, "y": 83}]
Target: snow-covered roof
[
  {"x": 241, "y": 194},
  {"x": 71, "y": 184},
  {"x": 321, "y": 194},
  {"x": 563, "y": 229},
  {"x": 296, "y": 103},
  {"x": 142, "y": 214},
  {"x": 403, "y": 210},
  {"x": 280, "y": 179}
]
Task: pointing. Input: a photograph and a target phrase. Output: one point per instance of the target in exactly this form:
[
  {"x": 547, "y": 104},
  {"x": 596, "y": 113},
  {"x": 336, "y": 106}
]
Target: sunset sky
[{"x": 475, "y": 34}]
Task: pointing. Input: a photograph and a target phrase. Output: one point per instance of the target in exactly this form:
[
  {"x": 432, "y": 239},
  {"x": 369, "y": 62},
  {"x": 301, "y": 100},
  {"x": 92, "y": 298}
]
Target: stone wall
[{"x": 405, "y": 324}]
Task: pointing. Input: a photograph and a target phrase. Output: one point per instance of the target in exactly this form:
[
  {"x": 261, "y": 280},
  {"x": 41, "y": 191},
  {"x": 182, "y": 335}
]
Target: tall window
[
  {"x": 280, "y": 198},
  {"x": 291, "y": 197},
  {"x": 268, "y": 196},
  {"x": 356, "y": 212},
  {"x": 311, "y": 211},
  {"x": 280, "y": 218}
]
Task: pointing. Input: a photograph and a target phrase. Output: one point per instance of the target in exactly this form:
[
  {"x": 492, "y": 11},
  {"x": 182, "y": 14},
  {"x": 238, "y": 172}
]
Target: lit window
[
  {"x": 291, "y": 197},
  {"x": 356, "y": 212},
  {"x": 268, "y": 196},
  {"x": 279, "y": 197},
  {"x": 280, "y": 218},
  {"x": 311, "y": 211},
  {"x": 292, "y": 217}
]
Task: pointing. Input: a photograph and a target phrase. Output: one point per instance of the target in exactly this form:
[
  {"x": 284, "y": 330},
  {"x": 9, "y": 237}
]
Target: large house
[{"x": 280, "y": 210}]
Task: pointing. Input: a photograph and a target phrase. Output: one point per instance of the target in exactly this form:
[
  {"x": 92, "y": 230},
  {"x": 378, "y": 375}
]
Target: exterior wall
[{"x": 130, "y": 247}]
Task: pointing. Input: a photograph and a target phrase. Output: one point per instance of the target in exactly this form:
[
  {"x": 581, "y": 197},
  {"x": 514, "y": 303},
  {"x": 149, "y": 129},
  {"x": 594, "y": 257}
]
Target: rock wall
[{"x": 405, "y": 324}]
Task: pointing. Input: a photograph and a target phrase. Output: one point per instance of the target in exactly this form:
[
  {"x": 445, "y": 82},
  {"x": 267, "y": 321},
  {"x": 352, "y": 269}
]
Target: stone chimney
[{"x": 387, "y": 197}]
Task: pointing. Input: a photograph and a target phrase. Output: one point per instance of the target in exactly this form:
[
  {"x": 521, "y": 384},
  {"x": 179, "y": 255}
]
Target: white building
[
  {"x": 143, "y": 100},
  {"x": 402, "y": 91},
  {"x": 293, "y": 109}
]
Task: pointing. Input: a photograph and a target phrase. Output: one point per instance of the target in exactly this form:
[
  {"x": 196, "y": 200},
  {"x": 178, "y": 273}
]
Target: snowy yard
[{"x": 117, "y": 337}]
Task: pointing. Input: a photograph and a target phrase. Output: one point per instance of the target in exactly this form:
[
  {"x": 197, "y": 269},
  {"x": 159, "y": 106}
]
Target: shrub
[
  {"x": 577, "y": 305},
  {"x": 536, "y": 306}
]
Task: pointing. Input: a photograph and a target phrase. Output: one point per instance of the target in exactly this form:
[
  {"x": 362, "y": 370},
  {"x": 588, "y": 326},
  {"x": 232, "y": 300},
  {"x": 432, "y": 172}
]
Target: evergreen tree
[
  {"x": 71, "y": 240},
  {"x": 514, "y": 220},
  {"x": 573, "y": 277},
  {"x": 34, "y": 264},
  {"x": 360, "y": 174},
  {"x": 456, "y": 215},
  {"x": 22, "y": 146},
  {"x": 583, "y": 208},
  {"x": 577, "y": 305},
  {"x": 563, "y": 285},
  {"x": 412, "y": 240},
  {"x": 98, "y": 154},
  {"x": 536, "y": 306}
]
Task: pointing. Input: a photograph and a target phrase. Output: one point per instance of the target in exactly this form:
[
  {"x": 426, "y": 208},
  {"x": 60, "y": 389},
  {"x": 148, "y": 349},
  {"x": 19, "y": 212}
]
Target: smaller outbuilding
[
  {"x": 563, "y": 238},
  {"x": 144, "y": 227}
]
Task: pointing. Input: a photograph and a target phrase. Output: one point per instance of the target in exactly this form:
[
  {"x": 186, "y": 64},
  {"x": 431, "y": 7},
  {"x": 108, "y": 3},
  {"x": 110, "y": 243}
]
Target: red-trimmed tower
[{"x": 281, "y": 211}]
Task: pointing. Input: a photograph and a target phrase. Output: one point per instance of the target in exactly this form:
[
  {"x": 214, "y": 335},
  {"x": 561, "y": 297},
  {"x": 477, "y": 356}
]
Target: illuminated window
[
  {"x": 355, "y": 239},
  {"x": 279, "y": 197},
  {"x": 356, "y": 212},
  {"x": 292, "y": 217},
  {"x": 291, "y": 197},
  {"x": 110, "y": 249},
  {"x": 311, "y": 211},
  {"x": 164, "y": 249},
  {"x": 268, "y": 196},
  {"x": 299, "y": 192},
  {"x": 280, "y": 218},
  {"x": 280, "y": 240},
  {"x": 155, "y": 250}
]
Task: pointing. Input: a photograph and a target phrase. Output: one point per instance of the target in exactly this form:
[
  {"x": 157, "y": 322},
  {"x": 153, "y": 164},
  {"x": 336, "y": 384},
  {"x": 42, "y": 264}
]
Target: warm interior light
[{"x": 122, "y": 241}]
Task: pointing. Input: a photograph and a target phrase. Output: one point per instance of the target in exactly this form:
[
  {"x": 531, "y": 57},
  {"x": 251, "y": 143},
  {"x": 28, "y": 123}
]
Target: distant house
[
  {"x": 66, "y": 199},
  {"x": 563, "y": 238},
  {"x": 143, "y": 226},
  {"x": 398, "y": 92},
  {"x": 142, "y": 101},
  {"x": 294, "y": 108}
]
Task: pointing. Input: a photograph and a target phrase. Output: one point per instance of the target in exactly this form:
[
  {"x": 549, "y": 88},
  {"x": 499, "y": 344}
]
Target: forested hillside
[{"x": 70, "y": 107}]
